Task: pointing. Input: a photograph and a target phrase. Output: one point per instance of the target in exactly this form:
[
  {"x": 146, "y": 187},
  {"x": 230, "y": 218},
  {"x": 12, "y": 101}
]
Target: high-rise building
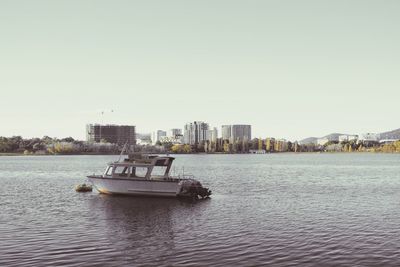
[
  {"x": 158, "y": 135},
  {"x": 176, "y": 136},
  {"x": 236, "y": 133},
  {"x": 195, "y": 133},
  {"x": 175, "y": 132},
  {"x": 226, "y": 132},
  {"x": 115, "y": 134},
  {"x": 212, "y": 135}
]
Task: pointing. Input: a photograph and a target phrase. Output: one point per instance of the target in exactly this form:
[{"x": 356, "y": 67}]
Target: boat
[{"x": 147, "y": 175}]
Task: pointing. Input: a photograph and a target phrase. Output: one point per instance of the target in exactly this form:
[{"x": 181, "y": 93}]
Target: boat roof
[{"x": 145, "y": 160}]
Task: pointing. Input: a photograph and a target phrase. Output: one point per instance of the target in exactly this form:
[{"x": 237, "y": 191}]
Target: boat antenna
[{"x": 122, "y": 151}]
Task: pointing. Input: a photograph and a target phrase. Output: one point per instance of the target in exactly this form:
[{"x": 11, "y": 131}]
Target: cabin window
[
  {"x": 109, "y": 171},
  {"x": 140, "y": 172},
  {"x": 121, "y": 170},
  {"x": 157, "y": 170}
]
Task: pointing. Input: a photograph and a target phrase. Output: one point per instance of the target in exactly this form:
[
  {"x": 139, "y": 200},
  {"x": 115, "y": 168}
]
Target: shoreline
[{"x": 15, "y": 154}]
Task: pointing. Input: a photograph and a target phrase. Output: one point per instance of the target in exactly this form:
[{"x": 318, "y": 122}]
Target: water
[{"x": 275, "y": 210}]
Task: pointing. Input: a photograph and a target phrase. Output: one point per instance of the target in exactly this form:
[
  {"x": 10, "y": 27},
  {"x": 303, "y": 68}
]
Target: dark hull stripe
[
  {"x": 141, "y": 194},
  {"x": 134, "y": 179}
]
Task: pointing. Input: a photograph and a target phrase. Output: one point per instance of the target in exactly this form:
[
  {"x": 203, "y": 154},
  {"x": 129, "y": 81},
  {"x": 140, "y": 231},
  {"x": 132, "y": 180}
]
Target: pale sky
[{"x": 291, "y": 69}]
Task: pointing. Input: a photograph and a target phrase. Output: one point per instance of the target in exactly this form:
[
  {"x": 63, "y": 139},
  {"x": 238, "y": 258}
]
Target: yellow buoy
[{"x": 83, "y": 188}]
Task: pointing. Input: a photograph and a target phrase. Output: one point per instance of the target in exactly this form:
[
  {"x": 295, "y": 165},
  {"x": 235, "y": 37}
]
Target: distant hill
[
  {"x": 333, "y": 136},
  {"x": 313, "y": 140},
  {"x": 309, "y": 140},
  {"x": 395, "y": 134}
]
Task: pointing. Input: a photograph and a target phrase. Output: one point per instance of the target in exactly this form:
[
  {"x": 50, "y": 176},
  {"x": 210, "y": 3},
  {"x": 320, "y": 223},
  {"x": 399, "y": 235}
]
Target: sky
[{"x": 291, "y": 69}]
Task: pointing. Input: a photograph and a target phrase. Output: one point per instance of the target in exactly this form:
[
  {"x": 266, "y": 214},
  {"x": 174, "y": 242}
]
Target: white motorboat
[{"x": 147, "y": 175}]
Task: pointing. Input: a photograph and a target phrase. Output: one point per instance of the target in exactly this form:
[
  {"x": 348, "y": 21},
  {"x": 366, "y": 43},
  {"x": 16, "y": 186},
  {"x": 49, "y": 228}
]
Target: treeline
[
  {"x": 267, "y": 145},
  {"x": 271, "y": 145},
  {"x": 70, "y": 146},
  {"x": 390, "y": 148},
  {"x": 48, "y": 145},
  {"x": 353, "y": 146},
  {"x": 67, "y": 146}
]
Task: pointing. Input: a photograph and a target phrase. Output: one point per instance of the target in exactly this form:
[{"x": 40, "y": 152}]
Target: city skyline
[
  {"x": 157, "y": 133},
  {"x": 198, "y": 131},
  {"x": 308, "y": 68}
]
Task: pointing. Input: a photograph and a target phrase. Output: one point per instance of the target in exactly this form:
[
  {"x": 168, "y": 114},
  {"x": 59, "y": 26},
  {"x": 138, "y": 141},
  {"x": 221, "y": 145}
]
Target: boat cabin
[{"x": 141, "y": 166}]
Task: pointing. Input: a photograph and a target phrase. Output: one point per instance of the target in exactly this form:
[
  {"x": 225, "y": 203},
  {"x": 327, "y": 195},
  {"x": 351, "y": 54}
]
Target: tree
[
  {"x": 346, "y": 147},
  {"x": 260, "y": 144},
  {"x": 187, "y": 149},
  {"x": 397, "y": 146},
  {"x": 4, "y": 145},
  {"x": 331, "y": 143},
  {"x": 350, "y": 148},
  {"x": 167, "y": 146},
  {"x": 68, "y": 140},
  {"x": 16, "y": 143},
  {"x": 176, "y": 148},
  {"x": 227, "y": 147},
  {"x": 296, "y": 147},
  {"x": 47, "y": 140},
  {"x": 290, "y": 146},
  {"x": 207, "y": 146},
  {"x": 254, "y": 144},
  {"x": 38, "y": 146}
]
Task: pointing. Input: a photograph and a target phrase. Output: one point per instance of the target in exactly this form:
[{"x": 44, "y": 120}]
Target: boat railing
[{"x": 185, "y": 176}]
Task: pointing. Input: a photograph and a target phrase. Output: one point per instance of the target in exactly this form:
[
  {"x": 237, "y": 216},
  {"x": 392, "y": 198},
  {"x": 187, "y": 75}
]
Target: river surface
[{"x": 266, "y": 210}]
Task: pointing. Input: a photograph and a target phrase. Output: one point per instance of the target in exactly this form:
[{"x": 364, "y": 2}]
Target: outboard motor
[{"x": 194, "y": 189}]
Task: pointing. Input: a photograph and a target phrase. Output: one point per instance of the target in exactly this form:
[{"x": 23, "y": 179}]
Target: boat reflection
[{"x": 143, "y": 226}]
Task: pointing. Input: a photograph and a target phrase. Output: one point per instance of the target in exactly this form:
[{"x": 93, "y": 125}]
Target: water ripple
[{"x": 267, "y": 210}]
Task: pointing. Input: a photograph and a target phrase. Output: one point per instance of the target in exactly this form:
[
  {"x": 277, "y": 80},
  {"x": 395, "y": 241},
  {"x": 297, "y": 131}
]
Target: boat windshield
[{"x": 121, "y": 170}]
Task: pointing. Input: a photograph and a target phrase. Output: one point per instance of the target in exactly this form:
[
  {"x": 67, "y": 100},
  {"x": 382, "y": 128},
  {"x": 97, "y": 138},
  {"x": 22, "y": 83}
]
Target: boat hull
[{"x": 135, "y": 186}]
